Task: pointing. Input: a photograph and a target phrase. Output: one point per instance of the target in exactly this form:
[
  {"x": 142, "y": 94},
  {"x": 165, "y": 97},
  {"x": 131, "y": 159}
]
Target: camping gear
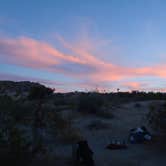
[
  {"x": 139, "y": 135},
  {"x": 115, "y": 145},
  {"x": 84, "y": 154}
]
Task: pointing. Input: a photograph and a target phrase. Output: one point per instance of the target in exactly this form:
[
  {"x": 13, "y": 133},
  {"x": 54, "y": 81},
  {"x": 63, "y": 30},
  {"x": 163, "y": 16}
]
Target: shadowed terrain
[{"x": 39, "y": 126}]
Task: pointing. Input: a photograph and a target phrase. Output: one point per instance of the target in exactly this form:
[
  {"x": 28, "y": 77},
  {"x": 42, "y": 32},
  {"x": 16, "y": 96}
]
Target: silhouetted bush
[
  {"x": 157, "y": 117},
  {"x": 98, "y": 125},
  {"x": 62, "y": 129},
  {"x": 104, "y": 113},
  {"x": 90, "y": 102},
  {"x": 39, "y": 92},
  {"x": 59, "y": 100},
  {"x": 14, "y": 146},
  {"x": 137, "y": 105},
  {"x": 12, "y": 111}
]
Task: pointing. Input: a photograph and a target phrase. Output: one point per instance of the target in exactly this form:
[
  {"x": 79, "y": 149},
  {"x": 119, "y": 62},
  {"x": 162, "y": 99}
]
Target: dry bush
[
  {"x": 70, "y": 135},
  {"x": 63, "y": 129},
  {"x": 98, "y": 125},
  {"x": 104, "y": 113},
  {"x": 137, "y": 105},
  {"x": 157, "y": 117},
  {"x": 90, "y": 102}
]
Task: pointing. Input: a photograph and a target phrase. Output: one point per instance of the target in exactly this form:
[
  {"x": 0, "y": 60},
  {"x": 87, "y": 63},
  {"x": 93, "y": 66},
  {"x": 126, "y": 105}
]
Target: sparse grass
[
  {"x": 90, "y": 102},
  {"x": 67, "y": 134},
  {"x": 104, "y": 113},
  {"x": 18, "y": 112},
  {"x": 98, "y": 125},
  {"x": 12, "y": 111},
  {"x": 137, "y": 105},
  {"x": 63, "y": 128},
  {"x": 157, "y": 117},
  {"x": 70, "y": 135}
]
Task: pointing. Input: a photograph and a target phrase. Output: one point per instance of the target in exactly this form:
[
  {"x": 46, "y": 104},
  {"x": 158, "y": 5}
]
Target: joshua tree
[
  {"x": 118, "y": 89},
  {"x": 39, "y": 94}
]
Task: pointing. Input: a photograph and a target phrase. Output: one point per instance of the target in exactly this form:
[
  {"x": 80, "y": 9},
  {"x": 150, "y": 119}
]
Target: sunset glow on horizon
[{"x": 83, "y": 45}]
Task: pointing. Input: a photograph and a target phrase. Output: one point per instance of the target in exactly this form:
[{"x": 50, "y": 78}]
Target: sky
[{"x": 84, "y": 45}]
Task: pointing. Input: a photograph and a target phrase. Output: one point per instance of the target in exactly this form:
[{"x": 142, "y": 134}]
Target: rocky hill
[{"x": 12, "y": 88}]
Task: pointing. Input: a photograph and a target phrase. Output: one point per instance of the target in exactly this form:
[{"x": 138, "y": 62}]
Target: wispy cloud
[
  {"x": 81, "y": 64},
  {"x": 134, "y": 85}
]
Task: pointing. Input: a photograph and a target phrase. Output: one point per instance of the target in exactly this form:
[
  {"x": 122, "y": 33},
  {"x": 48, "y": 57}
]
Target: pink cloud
[
  {"x": 106, "y": 71},
  {"x": 32, "y": 53},
  {"x": 156, "y": 70},
  {"x": 143, "y": 86},
  {"x": 81, "y": 63},
  {"x": 134, "y": 85}
]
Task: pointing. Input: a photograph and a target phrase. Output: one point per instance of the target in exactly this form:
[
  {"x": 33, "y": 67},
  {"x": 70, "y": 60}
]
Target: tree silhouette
[{"x": 38, "y": 94}]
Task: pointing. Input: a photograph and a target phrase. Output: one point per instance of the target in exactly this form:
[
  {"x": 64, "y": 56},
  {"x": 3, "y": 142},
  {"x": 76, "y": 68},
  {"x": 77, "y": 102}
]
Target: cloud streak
[{"x": 81, "y": 64}]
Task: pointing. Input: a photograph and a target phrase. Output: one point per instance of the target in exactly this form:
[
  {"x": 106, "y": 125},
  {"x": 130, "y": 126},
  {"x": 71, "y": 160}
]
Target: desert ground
[
  {"x": 46, "y": 125},
  {"x": 126, "y": 116}
]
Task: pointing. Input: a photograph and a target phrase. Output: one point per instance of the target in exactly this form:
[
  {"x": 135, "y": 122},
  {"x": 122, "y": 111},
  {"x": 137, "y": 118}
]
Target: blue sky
[{"x": 78, "y": 45}]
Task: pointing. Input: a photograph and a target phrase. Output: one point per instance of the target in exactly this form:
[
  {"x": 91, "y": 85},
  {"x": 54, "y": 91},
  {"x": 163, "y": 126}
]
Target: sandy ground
[{"x": 125, "y": 118}]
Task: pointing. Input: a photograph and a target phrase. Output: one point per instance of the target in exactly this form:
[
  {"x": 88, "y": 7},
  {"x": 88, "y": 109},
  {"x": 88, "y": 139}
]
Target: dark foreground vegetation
[{"x": 31, "y": 122}]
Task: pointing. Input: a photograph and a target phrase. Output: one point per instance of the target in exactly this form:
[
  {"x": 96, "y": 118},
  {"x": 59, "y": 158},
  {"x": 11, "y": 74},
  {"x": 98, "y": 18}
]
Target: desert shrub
[
  {"x": 62, "y": 107},
  {"x": 17, "y": 141},
  {"x": 157, "y": 117},
  {"x": 151, "y": 114},
  {"x": 90, "y": 102},
  {"x": 62, "y": 128},
  {"x": 56, "y": 121},
  {"x": 137, "y": 105},
  {"x": 15, "y": 148},
  {"x": 12, "y": 111},
  {"x": 59, "y": 99},
  {"x": 104, "y": 113},
  {"x": 70, "y": 135},
  {"x": 97, "y": 125},
  {"x": 62, "y": 124},
  {"x": 39, "y": 92}
]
